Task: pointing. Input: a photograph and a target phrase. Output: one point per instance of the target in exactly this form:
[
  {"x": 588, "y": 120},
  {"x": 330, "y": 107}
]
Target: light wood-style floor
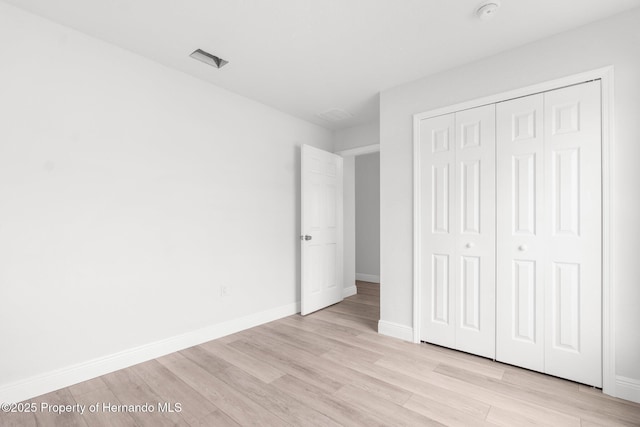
[{"x": 332, "y": 368}]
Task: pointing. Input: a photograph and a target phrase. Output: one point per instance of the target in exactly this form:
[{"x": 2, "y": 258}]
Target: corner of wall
[{"x": 395, "y": 330}]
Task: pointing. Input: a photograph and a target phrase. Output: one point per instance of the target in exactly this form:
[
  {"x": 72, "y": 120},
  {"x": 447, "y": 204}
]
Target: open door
[{"x": 321, "y": 236}]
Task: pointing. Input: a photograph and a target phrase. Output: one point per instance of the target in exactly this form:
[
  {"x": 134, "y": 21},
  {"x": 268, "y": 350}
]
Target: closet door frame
[{"x": 605, "y": 75}]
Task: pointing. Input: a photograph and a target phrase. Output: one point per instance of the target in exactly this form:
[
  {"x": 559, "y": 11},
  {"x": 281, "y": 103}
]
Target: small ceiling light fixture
[
  {"x": 208, "y": 58},
  {"x": 487, "y": 9}
]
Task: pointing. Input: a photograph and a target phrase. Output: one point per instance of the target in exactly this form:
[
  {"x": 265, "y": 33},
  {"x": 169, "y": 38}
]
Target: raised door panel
[
  {"x": 437, "y": 235},
  {"x": 573, "y": 208},
  {"x": 440, "y": 198},
  {"x": 471, "y": 305},
  {"x": 474, "y": 221},
  {"x": 520, "y": 233},
  {"x": 440, "y": 289},
  {"x": 523, "y": 303},
  {"x": 470, "y": 196}
]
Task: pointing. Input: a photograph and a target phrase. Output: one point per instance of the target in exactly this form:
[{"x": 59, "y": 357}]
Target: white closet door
[
  {"x": 549, "y": 233},
  {"x": 457, "y": 230},
  {"x": 573, "y": 188},
  {"x": 474, "y": 221},
  {"x": 521, "y": 232},
  {"x": 437, "y": 230}
]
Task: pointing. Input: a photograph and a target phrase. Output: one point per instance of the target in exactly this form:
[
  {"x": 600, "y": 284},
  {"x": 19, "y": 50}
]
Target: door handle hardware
[
  {"x": 305, "y": 237},
  {"x": 522, "y": 248},
  {"x": 469, "y": 245}
]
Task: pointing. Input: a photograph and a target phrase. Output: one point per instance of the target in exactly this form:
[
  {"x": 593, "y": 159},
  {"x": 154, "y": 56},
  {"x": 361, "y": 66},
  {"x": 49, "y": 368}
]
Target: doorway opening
[{"x": 367, "y": 227}]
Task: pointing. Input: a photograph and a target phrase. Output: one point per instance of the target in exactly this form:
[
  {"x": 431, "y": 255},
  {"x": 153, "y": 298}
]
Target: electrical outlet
[{"x": 225, "y": 290}]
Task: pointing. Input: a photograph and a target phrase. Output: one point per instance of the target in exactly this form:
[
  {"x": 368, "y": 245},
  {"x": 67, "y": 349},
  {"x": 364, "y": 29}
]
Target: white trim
[
  {"x": 600, "y": 73},
  {"x": 368, "y": 277},
  {"x": 395, "y": 330},
  {"x": 366, "y": 149},
  {"x": 350, "y": 291},
  {"x": 608, "y": 318},
  {"x": 60, "y": 378},
  {"x": 627, "y": 388},
  {"x": 605, "y": 75},
  {"x": 417, "y": 231}
]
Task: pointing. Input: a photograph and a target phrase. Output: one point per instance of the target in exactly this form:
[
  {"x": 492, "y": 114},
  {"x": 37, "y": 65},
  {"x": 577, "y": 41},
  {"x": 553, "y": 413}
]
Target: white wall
[
  {"x": 357, "y": 136},
  {"x": 367, "y": 195},
  {"x": 611, "y": 42},
  {"x": 129, "y": 193},
  {"x": 349, "y": 225}
]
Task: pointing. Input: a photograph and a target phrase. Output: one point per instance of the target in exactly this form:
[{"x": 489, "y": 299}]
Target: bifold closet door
[
  {"x": 457, "y": 240},
  {"x": 549, "y": 233},
  {"x": 521, "y": 241},
  {"x": 437, "y": 229},
  {"x": 573, "y": 187}
]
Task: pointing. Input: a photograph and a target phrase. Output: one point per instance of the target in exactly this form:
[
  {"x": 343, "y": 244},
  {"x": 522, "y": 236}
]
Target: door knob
[
  {"x": 305, "y": 237},
  {"x": 522, "y": 248},
  {"x": 469, "y": 245}
]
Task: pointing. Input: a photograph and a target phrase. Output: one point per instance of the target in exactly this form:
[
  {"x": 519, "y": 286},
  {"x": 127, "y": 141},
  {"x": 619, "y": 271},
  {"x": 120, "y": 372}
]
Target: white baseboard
[
  {"x": 351, "y": 290},
  {"x": 395, "y": 330},
  {"x": 368, "y": 278},
  {"x": 55, "y": 380},
  {"x": 627, "y": 388}
]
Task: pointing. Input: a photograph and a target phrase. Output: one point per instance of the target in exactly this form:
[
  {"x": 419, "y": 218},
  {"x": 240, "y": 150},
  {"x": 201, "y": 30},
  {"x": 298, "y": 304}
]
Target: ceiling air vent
[
  {"x": 335, "y": 115},
  {"x": 208, "y": 58}
]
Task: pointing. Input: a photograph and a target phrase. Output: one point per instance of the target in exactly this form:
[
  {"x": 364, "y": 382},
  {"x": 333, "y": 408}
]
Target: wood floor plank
[
  {"x": 287, "y": 364},
  {"x": 388, "y": 412},
  {"x": 336, "y": 374},
  {"x": 448, "y": 415},
  {"x": 434, "y": 354},
  {"x": 368, "y": 288},
  {"x": 130, "y": 389},
  {"x": 49, "y": 418},
  {"x": 314, "y": 323},
  {"x": 355, "y": 309},
  {"x": 348, "y": 320},
  {"x": 506, "y": 418},
  {"x": 414, "y": 384},
  {"x": 328, "y": 341},
  {"x": 171, "y": 390},
  {"x": 87, "y": 387},
  {"x": 217, "y": 419},
  {"x": 304, "y": 342},
  {"x": 333, "y": 368},
  {"x": 251, "y": 365},
  {"x": 326, "y": 403},
  {"x": 233, "y": 403},
  {"x": 100, "y": 417},
  {"x": 373, "y": 300},
  {"x": 18, "y": 419},
  {"x": 586, "y": 406},
  {"x": 269, "y": 397}
]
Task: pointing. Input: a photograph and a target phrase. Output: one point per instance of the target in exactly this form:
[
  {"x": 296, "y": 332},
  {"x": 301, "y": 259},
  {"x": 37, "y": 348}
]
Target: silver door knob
[
  {"x": 522, "y": 248},
  {"x": 469, "y": 245},
  {"x": 305, "y": 237}
]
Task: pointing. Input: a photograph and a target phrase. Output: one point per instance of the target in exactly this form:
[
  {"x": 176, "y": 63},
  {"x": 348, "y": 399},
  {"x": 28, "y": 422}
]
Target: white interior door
[
  {"x": 521, "y": 232},
  {"x": 457, "y": 230},
  {"x": 321, "y": 223},
  {"x": 573, "y": 200}
]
